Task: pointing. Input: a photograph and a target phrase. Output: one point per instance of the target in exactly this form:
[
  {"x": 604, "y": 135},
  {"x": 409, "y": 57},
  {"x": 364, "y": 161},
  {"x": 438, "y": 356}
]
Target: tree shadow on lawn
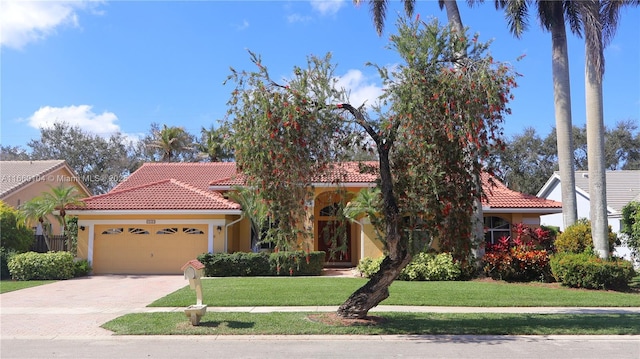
[
  {"x": 232, "y": 324},
  {"x": 503, "y": 324}
]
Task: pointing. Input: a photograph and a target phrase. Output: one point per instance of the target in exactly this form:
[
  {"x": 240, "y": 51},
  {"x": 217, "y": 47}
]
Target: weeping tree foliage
[
  {"x": 283, "y": 134},
  {"x": 437, "y": 122}
]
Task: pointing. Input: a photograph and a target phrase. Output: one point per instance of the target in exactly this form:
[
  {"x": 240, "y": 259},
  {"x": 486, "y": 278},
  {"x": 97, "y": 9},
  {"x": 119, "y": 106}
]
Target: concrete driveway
[{"x": 78, "y": 307}]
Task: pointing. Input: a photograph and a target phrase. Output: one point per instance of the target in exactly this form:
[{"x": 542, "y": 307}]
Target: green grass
[
  {"x": 309, "y": 291},
  {"x": 393, "y": 323},
  {"x": 10, "y": 286}
]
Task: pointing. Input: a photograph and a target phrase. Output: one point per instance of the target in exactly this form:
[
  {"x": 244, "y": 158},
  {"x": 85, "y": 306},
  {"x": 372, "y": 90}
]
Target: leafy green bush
[
  {"x": 631, "y": 227},
  {"x": 369, "y": 266},
  {"x": 431, "y": 267},
  {"x": 81, "y": 268},
  {"x": 586, "y": 270},
  {"x": 5, "y": 257},
  {"x": 423, "y": 267},
  {"x": 13, "y": 234},
  {"x": 241, "y": 264},
  {"x": 577, "y": 238},
  {"x": 42, "y": 266}
]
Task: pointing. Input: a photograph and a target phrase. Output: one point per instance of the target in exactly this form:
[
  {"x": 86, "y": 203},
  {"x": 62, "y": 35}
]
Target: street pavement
[{"x": 63, "y": 319}]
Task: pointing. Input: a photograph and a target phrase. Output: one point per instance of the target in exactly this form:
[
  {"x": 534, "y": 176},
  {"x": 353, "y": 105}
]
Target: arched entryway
[{"x": 333, "y": 231}]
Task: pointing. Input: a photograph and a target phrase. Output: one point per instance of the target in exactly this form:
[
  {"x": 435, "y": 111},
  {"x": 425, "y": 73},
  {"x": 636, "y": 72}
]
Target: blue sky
[{"x": 121, "y": 65}]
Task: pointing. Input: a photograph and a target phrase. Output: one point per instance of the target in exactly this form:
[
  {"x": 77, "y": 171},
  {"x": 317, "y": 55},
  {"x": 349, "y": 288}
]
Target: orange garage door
[{"x": 146, "y": 249}]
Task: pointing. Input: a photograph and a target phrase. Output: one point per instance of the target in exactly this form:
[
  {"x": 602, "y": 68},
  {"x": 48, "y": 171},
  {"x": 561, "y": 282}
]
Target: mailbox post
[{"x": 193, "y": 271}]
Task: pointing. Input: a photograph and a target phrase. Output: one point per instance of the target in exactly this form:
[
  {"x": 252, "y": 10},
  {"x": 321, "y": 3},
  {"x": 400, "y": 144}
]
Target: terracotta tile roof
[
  {"x": 17, "y": 174},
  {"x": 224, "y": 183},
  {"x": 350, "y": 172},
  {"x": 168, "y": 194},
  {"x": 155, "y": 186},
  {"x": 499, "y": 196},
  {"x": 196, "y": 174}
]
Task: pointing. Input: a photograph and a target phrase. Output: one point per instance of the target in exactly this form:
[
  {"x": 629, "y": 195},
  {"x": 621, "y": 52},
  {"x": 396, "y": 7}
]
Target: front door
[{"x": 334, "y": 238}]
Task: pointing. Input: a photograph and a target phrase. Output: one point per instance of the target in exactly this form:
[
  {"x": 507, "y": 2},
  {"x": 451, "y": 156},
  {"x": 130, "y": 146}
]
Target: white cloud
[
  {"x": 327, "y": 7},
  {"x": 298, "y": 18},
  {"x": 243, "y": 26},
  {"x": 360, "y": 89},
  {"x": 28, "y": 21},
  {"x": 104, "y": 124}
]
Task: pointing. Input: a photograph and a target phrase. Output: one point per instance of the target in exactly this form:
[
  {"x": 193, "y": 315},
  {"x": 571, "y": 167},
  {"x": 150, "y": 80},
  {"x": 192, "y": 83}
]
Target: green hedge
[
  {"x": 242, "y": 264},
  {"x": 81, "y": 268},
  {"x": 42, "y": 266},
  {"x": 586, "y": 270},
  {"x": 423, "y": 267}
]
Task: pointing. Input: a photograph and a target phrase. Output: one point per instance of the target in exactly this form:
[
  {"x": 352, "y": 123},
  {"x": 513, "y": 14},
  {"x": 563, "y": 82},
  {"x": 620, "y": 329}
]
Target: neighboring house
[
  {"x": 166, "y": 214},
  {"x": 622, "y": 188},
  {"x": 20, "y": 181}
]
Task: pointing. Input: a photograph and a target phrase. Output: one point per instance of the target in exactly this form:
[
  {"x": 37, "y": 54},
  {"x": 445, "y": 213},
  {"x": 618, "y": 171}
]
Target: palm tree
[
  {"x": 253, "y": 209},
  {"x": 379, "y": 12},
  {"x": 600, "y": 20},
  {"x": 171, "y": 141},
  {"x": 55, "y": 202},
  {"x": 551, "y": 15},
  {"x": 212, "y": 144}
]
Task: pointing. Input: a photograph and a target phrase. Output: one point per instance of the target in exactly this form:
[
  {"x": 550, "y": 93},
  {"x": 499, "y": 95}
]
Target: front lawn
[
  {"x": 389, "y": 323},
  {"x": 10, "y": 285},
  {"x": 323, "y": 291}
]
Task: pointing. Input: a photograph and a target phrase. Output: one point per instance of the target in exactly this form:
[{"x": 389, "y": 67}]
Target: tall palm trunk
[
  {"x": 562, "y": 102},
  {"x": 594, "y": 68},
  {"x": 453, "y": 15},
  {"x": 596, "y": 161}
]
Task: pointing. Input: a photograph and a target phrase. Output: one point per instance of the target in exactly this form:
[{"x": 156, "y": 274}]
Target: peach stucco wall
[{"x": 42, "y": 184}]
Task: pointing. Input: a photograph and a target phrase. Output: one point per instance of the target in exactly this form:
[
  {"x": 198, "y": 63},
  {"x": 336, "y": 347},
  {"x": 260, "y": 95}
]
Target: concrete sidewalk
[{"x": 78, "y": 307}]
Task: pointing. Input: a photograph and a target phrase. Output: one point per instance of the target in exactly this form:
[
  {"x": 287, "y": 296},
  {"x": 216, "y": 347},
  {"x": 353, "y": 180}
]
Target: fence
[{"x": 57, "y": 243}]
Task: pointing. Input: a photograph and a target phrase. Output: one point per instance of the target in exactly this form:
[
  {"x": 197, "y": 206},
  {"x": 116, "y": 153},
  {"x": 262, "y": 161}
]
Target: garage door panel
[{"x": 147, "y": 249}]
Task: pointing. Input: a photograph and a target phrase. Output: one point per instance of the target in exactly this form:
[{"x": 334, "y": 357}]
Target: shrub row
[
  {"x": 46, "y": 266},
  {"x": 41, "y": 266},
  {"x": 577, "y": 238},
  {"x": 423, "y": 267},
  {"x": 242, "y": 264},
  {"x": 586, "y": 270}
]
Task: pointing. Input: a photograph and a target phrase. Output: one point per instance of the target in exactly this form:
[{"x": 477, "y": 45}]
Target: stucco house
[
  {"x": 622, "y": 188},
  {"x": 20, "y": 181},
  {"x": 166, "y": 214}
]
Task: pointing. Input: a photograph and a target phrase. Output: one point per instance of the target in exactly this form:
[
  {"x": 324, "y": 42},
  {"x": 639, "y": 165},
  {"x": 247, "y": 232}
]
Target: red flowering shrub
[{"x": 524, "y": 258}]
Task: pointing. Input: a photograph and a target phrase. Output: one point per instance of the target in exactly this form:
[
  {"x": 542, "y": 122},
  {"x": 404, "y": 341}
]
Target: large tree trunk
[
  {"x": 562, "y": 102},
  {"x": 377, "y": 288},
  {"x": 595, "y": 146}
]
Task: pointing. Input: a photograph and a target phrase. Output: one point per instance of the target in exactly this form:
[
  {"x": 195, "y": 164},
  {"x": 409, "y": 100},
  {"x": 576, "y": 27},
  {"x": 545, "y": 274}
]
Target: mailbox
[{"x": 193, "y": 271}]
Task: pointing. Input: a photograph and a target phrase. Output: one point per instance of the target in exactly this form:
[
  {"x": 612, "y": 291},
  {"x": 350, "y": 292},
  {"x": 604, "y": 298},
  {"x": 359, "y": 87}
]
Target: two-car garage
[{"x": 147, "y": 249}]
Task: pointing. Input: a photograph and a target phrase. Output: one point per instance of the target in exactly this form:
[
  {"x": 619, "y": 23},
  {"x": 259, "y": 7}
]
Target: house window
[
  {"x": 138, "y": 231},
  {"x": 113, "y": 231},
  {"x": 330, "y": 210},
  {"x": 496, "y": 228},
  {"x": 168, "y": 231},
  {"x": 192, "y": 231}
]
